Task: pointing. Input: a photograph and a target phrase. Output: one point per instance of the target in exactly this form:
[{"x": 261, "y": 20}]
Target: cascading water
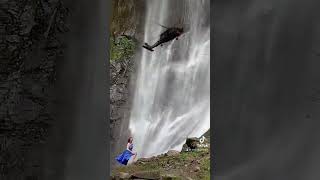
[{"x": 172, "y": 94}]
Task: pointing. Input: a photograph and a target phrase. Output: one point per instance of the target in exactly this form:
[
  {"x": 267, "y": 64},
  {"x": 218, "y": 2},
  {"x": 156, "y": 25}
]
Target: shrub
[{"x": 121, "y": 48}]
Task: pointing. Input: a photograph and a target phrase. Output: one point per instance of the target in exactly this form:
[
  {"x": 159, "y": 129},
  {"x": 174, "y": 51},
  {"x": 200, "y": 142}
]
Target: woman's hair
[{"x": 129, "y": 139}]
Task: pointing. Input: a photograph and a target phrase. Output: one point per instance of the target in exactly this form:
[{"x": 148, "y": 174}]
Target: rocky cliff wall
[{"x": 31, "y": 45}]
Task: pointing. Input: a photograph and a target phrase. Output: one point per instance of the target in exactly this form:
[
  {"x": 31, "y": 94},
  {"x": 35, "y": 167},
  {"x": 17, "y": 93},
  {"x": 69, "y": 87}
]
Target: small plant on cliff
[{"x": 121, "y": 48}]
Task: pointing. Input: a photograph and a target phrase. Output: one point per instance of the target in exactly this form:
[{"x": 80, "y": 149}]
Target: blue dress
[{"x": 125, "y": 156}]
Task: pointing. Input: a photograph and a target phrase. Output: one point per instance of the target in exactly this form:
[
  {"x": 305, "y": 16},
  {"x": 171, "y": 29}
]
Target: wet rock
[
  {"x": 172, "y": 153},
  {"x": 192, "y": 143},
  {"x": 122, "y": 81},
  {"x": 116, "y": 65},
  {"x": 116, "y": 93},
  {"x": 185, "y": 148}
]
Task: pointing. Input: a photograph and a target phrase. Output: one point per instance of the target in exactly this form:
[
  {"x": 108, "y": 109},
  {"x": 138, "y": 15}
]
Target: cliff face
[
  {"x": 123, "y": 67},
  {"x": 127, "y": 18},
  {"x": 121, "y": 74},
  {"x": 30, "y": 47}
]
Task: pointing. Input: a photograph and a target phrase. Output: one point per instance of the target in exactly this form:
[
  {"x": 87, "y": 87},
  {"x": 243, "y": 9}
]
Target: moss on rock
[
  {"x": 121, "y": 48},
  {"x": 187, "y": 165}
]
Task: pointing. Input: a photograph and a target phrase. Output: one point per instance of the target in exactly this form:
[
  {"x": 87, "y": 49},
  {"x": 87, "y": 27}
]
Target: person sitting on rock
[{"x": 126, "y": 155}]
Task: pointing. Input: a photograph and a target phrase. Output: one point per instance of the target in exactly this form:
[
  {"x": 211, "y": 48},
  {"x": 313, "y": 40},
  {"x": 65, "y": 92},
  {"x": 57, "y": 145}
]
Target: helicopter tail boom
[{"x": 147, "y": 46}]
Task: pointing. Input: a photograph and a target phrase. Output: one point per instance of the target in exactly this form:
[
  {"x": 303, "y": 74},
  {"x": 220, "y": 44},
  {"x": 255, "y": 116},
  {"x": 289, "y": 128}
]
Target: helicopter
[{"x": 169, "y": 34}]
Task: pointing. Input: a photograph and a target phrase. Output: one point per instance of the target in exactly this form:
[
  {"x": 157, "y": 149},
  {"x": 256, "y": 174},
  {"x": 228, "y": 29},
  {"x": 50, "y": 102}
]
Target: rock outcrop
[
  {"x": 172, "y": 153},
  {"x": 194, "y": 142},
  {"x": 121, "y": 73}
]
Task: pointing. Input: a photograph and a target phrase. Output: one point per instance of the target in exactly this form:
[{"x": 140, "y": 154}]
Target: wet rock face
[
  {"x": 128, "y": 18},
  {"x": 27, "y": 77},
  {"x": 172, "y": 153},
  {"x": 121, "y": 75},
  {"x": 193, "y": 143}
]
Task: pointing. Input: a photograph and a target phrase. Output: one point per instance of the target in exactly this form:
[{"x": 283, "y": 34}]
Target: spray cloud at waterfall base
[{"x": 170, "y": 97}]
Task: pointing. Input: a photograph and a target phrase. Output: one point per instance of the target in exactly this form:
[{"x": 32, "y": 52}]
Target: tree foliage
[{"x": 121, "y": 48}]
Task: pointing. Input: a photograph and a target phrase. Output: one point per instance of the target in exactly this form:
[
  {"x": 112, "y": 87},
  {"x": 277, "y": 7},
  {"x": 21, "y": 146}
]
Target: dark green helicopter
[{"x": 169, "y": 34}]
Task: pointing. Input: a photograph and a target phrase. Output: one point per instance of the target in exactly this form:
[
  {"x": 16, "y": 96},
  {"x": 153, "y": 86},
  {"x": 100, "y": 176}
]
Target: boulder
[
  {"x": 172, "y": 153},
  {"x": 193, "y": 142}
]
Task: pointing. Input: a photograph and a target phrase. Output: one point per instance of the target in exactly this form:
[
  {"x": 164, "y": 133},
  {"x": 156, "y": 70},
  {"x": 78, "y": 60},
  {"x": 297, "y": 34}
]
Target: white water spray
[{"x": 172, "y": 95}]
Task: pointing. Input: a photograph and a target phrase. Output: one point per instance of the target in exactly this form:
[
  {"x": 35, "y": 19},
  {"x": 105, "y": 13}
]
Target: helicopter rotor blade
[{"x": 162, "y": 25}]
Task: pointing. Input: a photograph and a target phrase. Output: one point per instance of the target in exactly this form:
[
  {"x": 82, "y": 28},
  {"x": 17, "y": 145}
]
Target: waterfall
[{"x": 172, "y": 92}]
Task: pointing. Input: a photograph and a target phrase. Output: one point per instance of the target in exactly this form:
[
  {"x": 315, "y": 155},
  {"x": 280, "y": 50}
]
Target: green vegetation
[
  {"x": 122, "y": 21},
  {"x": 121, "y": 48},
  {"x": 194, "y": 165}
]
